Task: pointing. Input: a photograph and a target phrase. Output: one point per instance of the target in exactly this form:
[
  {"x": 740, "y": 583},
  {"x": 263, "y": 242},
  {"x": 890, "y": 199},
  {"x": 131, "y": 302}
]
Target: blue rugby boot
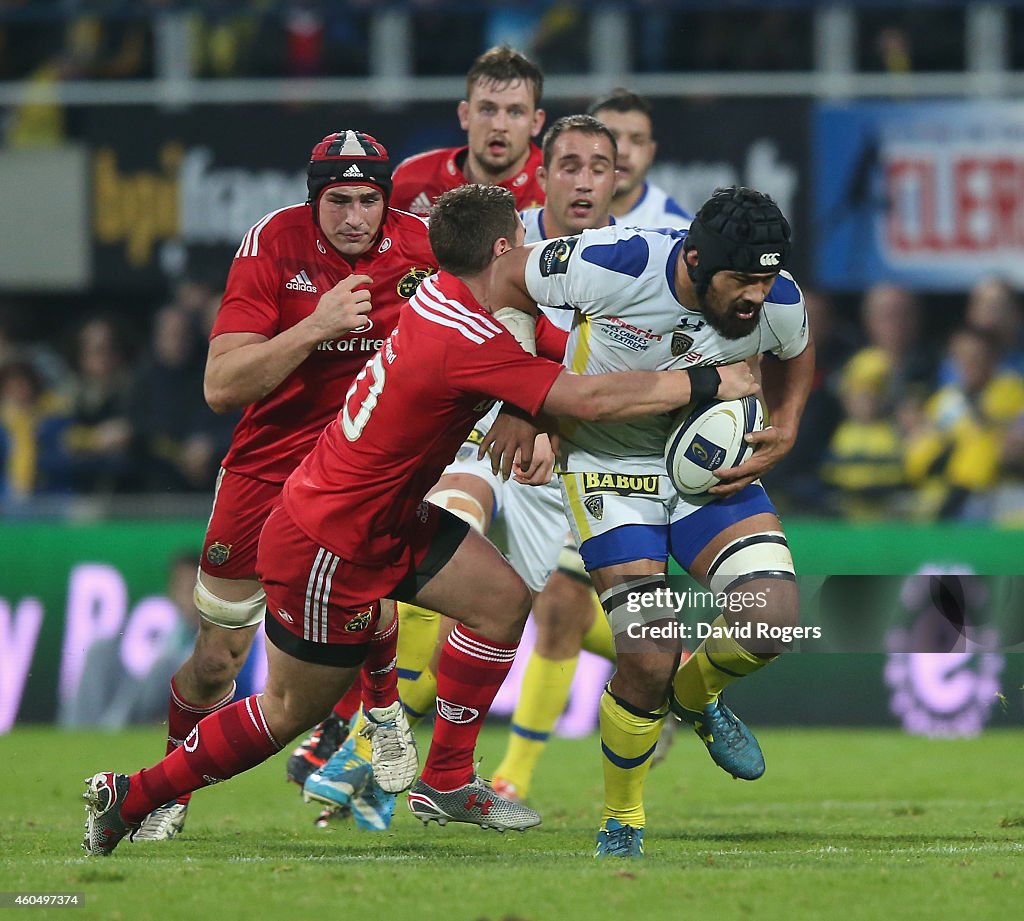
[
  {"x": 373, "y": 807},
  {"x": 342, "y": 778},
  {"x": 617, "y": 840},
  {"x": 732, "y": 746}
]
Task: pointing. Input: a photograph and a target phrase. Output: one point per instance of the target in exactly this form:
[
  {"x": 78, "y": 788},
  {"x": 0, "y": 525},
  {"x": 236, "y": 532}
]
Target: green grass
[{"x": 845, "y": 825}]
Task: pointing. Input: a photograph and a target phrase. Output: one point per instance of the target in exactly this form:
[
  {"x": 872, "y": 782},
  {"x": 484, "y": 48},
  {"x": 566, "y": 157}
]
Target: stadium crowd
[{"x": 896, "y": 427}]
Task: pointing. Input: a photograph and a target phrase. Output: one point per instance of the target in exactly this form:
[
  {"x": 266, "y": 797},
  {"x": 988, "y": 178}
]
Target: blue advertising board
[{"x": 926, "y": 194}]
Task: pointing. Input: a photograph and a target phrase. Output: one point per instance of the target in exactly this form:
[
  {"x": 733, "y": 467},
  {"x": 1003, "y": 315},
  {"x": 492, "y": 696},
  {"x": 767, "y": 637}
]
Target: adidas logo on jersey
[
  {"x": 420, "y": 204},
  {"x": 301, "y": 282},
  {"x": 353, "y": 172}
]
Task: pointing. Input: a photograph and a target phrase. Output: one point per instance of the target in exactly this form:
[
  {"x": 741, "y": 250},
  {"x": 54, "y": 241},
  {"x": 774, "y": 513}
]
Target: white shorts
[
  {"x": 465, "y": 461},
  {"x": 537, "y": 529},
  {"x": 618, "y": 518}
]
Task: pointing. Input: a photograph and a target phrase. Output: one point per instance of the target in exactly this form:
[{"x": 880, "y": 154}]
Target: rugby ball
[{"x": 709, "y": 437}]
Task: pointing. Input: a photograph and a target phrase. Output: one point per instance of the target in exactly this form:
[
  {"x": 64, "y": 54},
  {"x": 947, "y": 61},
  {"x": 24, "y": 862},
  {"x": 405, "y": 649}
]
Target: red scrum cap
[{"x": 348, "y": 157}]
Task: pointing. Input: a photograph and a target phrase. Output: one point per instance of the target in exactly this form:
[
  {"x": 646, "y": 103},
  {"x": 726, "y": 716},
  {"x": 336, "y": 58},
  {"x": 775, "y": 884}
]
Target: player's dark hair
[
  {"x": 503, "y": 66},
  {"x": 584, "y": 124},
  {"x": 464, "y": 224},
  {"x": 737, "y": 230},
  {"x": 620, "y": 100}
]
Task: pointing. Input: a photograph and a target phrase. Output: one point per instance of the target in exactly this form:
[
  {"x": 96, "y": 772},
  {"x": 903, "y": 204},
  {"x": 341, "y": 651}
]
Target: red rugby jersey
[
  {"x": 419, "y": 181},
  {"x": 277, "y": 278},
  {"x": 404, "y": 418}
]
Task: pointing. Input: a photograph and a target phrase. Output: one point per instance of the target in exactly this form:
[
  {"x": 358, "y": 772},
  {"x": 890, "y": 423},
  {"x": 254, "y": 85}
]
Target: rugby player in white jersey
[
  {"x": 675, "y": 299},
  {"x": 637, "y": 202},
  {"x": 578, "y": 177}
]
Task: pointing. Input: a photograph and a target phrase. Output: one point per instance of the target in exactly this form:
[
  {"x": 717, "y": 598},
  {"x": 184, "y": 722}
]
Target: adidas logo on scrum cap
[{"x": 348, "y": 156}]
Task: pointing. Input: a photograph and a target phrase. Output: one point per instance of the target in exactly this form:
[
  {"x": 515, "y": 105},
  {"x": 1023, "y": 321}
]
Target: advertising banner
[
  {"x": 897, "y": 630},
  {"x": 174, "y": 192},
  {"x": 925, "y": 194}
]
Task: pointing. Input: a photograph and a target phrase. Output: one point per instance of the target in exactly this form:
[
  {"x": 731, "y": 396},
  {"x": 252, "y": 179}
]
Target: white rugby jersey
[
  {"x": 533, "y": 221},
  {"x": 621, "y": 282},
  {"x": 656, "y": 208}
]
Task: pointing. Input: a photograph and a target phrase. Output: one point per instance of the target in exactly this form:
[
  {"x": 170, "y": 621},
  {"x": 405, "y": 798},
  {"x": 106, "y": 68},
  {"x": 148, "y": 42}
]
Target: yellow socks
[
  {"x": 544, "y": 694},
  {"x": 717, "y": 662},
  {"x": 628, "y": 738},
  {"x": 417, "y": 637},
  {"x": 598, "y": 639}
]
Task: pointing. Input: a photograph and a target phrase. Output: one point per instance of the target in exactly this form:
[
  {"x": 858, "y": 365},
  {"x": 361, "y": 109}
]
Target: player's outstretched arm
[
  {"x": 623, "y": 395},
  {"x": 242, "y": 368}
]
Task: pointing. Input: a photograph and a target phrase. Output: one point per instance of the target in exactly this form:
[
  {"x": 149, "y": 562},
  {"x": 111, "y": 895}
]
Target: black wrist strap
[{"x": 703, "y": 384}]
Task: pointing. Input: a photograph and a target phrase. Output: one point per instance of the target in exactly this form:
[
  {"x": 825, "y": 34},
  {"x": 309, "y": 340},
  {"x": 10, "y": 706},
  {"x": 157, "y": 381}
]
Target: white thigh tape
[
  {"x": 462, "y": 505},
  {"x": 231, "y": 614}
]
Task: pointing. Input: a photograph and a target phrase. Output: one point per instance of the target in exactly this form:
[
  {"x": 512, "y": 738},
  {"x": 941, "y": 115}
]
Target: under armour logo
[
  {"x": 473, "y": 802},
  {"x": 770, "y": 259}
]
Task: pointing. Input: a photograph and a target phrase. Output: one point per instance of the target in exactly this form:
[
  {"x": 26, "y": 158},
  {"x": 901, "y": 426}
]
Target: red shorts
[
  {"x": 317, "y": 600},
  {"x": 240, "y": 507}
]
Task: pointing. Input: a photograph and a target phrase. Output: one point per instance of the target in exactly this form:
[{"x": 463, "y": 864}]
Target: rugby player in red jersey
[
  {"x": 501, "y": 115},
  {"x": 353, "y": 528},
  {"x": 314, "y": 290}
]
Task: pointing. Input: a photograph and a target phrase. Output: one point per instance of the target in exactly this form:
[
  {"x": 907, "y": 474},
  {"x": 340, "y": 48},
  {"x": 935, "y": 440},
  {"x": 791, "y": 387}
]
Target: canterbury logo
[
  {"x": 353, "y": 172},
  {"x": 770, "y": 258},
  {"x": 301, "y": 282},
  {"x": 455, "y": 713}
]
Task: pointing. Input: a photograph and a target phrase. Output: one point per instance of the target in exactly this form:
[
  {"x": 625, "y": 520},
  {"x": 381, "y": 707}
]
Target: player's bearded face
[
  {"x": 499, "y": 120},
  {"x": 350, "y": 217},
  {"x": 733, "y": 301}
]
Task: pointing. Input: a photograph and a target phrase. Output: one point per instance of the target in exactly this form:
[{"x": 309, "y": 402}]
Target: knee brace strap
[
  {"x": 755, "y": 556},
  {"x": 624, "y": 603}
]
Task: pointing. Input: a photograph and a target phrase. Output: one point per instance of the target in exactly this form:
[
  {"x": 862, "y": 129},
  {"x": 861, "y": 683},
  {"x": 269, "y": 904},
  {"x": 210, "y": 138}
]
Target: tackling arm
[{"x": 622, "y": 395}]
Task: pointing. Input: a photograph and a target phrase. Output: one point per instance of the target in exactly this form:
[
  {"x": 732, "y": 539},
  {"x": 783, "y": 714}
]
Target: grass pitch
[{"x": 845, "y": 825}]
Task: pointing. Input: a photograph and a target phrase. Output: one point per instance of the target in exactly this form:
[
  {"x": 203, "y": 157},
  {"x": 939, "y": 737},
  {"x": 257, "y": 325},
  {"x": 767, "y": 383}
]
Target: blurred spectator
[
  {"x": 903, "y": 38},
  {"x": 864, "y": 465},
  {"x": 955, "y": 457},
  {"x": 893, "y": 49},
  {"x": 14, "y": 345},
  {"x": 557, "y": 45},
  {"x": 168, "y": 411},
  {"x": 891, "y": 322},
  {"x": 794, "y": 482},
  {"x": 225, "y": 39},
  {"x": 125, "y": 677},
  {"x": 41, "y": 120},
  {"x": 304, "y": 41},
  {"x": 32, "y": 418},
  {"x": 993, "y": 306},
  {"x": 97, "y": 444}
]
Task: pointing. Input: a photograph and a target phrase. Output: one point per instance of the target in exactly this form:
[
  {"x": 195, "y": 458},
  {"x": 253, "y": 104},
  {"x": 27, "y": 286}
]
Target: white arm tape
[{"x": 522, "y": 326}]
